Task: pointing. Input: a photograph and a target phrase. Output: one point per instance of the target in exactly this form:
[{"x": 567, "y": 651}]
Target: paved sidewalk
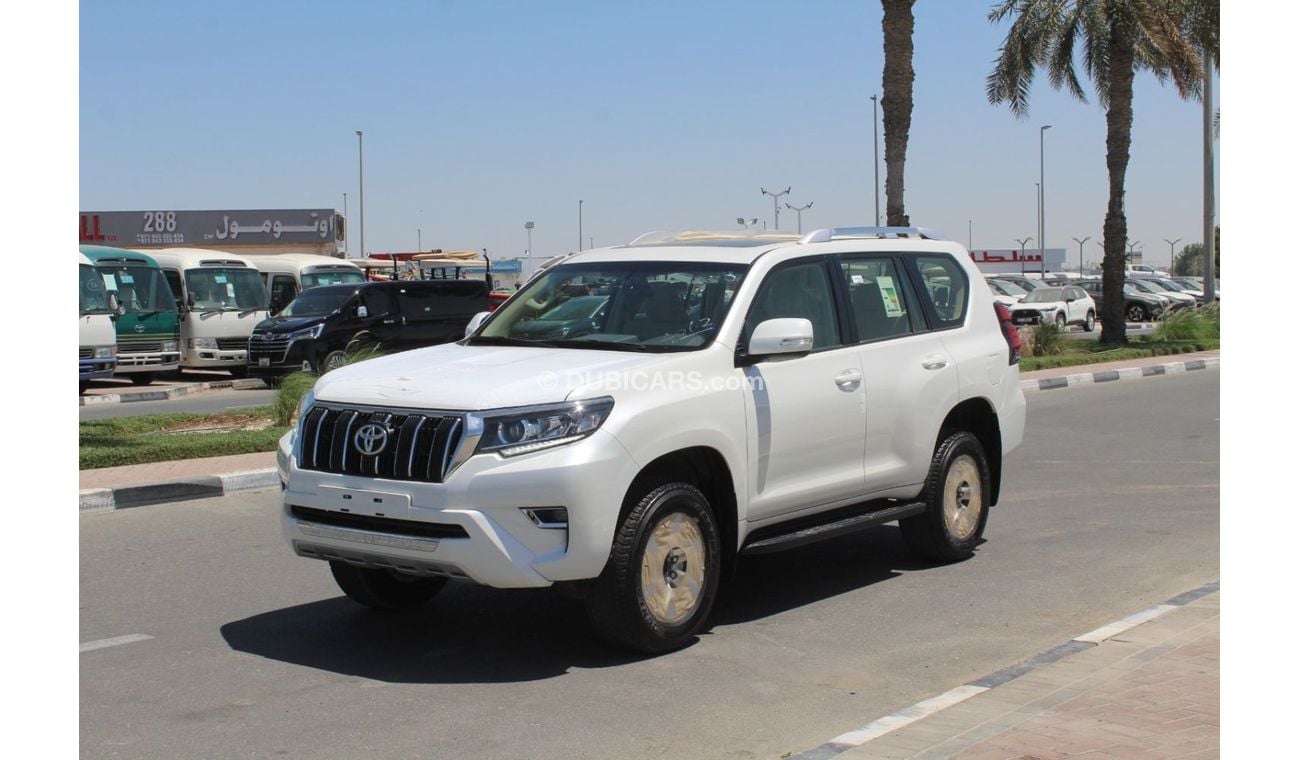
[
  {"x": 154, "y": 472},
  {"x": 1150, "y": 691}
]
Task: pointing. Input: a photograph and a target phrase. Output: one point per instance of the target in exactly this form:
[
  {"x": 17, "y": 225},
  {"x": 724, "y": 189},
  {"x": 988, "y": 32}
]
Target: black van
[{"x": 314, "y": 331}]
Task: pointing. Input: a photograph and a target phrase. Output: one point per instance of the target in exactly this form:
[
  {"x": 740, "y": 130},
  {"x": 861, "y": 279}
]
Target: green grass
[
  {"x": 158, "y": 437},
  {"x": 1078, "y": 352}
]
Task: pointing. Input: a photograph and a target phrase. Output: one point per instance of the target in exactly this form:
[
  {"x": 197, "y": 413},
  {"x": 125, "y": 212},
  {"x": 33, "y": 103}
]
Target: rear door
[{"x": 438, "y": 311}]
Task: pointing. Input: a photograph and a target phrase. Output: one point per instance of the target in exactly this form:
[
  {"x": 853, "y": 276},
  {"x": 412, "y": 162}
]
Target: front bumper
[
  {"x": 97, "y": 369},
  {"x": 273, "y": 358},
  {"x": 152, "y": 362},
  {"x": 213, "y": 357},
  {"x": 480, "y": 531}
]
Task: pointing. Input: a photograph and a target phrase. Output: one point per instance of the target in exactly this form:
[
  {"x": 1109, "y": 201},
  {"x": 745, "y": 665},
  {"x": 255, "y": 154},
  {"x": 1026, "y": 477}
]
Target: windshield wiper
[
  {"x": 600, "y": 345},
  {"x": 490, "y": 340}
]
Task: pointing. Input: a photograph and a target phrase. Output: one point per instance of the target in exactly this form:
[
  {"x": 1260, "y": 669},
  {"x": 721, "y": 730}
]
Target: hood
[
  {"x": 456, "y": 377},
  {"x": 287, "y": 324}
]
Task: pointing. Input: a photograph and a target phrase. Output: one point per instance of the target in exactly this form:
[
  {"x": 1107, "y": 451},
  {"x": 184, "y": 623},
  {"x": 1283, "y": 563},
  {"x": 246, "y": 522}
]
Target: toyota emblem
[
  {"x": 139, "y": 327},
  {"x": 370, "y": 439}
]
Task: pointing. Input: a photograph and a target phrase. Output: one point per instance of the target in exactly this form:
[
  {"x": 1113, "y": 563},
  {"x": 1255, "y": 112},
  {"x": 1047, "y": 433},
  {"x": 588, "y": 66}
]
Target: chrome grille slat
[
  {"x": 232, "y": 344},
  {"x": 428, "y": 440}
]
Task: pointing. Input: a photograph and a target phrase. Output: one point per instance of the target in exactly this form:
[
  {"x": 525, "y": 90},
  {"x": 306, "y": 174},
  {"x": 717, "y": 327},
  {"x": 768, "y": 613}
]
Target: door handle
[
  {"x": 390, "y": 321},
  {"x": 934, "y": 362},
  {"x": 848, "y": 379}
]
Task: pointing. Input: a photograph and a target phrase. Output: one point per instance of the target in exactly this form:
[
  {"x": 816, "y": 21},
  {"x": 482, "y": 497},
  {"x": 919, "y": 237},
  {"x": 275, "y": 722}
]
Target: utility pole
[
  {"x": 1207, "y": 265},
  {"x": 1042, "y": 203},
  {"x": 529, "y": 226},
  {"x": 579, "y": 224},
  {"x": 798, "y": 210},
  {"x": 1172, "y": 243},
  {"x": 346, "y": 224},
  {"x": 361, "y": 181},
  {"x": 1023, "y": 242},
  {"x": 875, "y": 162},
  {"x": 776, "y": 210}
]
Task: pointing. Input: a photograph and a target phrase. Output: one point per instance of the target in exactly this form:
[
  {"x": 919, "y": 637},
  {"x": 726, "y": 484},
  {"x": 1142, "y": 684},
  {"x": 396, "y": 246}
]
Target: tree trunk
[
  {"x": 896, "y": 103},
  {"x": 1119, "y": 136}
]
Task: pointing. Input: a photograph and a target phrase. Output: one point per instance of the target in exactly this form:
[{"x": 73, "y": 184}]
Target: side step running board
[{"x": 812, "y": 533}]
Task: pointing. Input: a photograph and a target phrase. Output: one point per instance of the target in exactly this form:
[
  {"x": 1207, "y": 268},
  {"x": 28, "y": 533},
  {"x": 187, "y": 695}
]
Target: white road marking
[
  {"x": 1119, "y": 626},
  {"x": 882, "y": 726},
  {"x": 115, "y": 641}
]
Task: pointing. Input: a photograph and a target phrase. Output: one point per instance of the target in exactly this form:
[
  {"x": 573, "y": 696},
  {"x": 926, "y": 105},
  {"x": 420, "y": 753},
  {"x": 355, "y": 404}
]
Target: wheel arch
[
  {"x": 977, "y": 416},
  {"x": 705, "y": 468}
]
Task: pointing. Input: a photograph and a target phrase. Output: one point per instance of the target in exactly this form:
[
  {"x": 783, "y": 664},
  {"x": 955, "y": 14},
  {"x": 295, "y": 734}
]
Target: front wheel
[
  {"x": 1136, "y": 313},
  {"x": 332, "y": 360},
  {"x": 1060, "y": 322},
  {"x": 384, "y": 589},
  {"x": 142, "y": 378},
  {"x": 956, "y": 498},
  {"x": 658, "y": 586},
  {"x": 1089, "y": 322},
  {"x": 238, "y": 373}
]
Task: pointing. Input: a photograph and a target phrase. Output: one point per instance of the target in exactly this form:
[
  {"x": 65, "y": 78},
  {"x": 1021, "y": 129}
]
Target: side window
[
  {"x": 945, "y": 283},
  {"x": 877, "y": 302},
  {"x": 377, "y": 302},
  {"x": 283, "y": 291},
  {"x": 799, "y": 291}
]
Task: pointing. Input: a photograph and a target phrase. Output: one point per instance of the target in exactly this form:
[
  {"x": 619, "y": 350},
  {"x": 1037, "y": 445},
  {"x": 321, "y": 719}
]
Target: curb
[
  {"x": 929, "y": 707},
  {"x": 201, "y": 487},
  {"x": 176, "y": 391},
  {"x": 1128, "y": 373}
]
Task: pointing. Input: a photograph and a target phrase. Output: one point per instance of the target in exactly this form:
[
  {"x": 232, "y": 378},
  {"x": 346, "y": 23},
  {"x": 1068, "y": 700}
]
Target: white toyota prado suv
[{"x": 637, "y": 417}]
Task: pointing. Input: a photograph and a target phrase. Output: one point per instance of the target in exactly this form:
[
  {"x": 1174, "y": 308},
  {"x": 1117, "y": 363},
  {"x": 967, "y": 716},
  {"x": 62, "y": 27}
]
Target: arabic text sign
[{"x": 275, "y": 226}]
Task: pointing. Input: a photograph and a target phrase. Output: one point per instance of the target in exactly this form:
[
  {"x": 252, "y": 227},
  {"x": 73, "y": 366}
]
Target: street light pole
[
  {"x": 776, "y": 210},
  {"x": 798, "y": 210},
  {"x": 970, "y": 237},
  {"x": 1172, "y": 243},
  {"x": 529, "y": 226},
  {"x": 361, "y": 182},
  {"x": 1042, "y": 202},
  {"x": 346, "y": 224},
  {"x": 1023, "y": 242},
  {"x": 1038, "y": 211},
  {"x": 1081, "y": 242},
  {"x": 580, "y": 225},
  {"x": 875, "y": 161}
]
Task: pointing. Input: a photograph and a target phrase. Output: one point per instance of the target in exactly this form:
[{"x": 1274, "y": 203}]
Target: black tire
[
  {"x": 238, "y": 373},
  {"x": 141, "y": 378},
  {"x": 617, "y": 602},
  {"x": 946, "y": 531},
  {"x": 1060, "y": 322},
  {"x": 1136, "y": 313},
  {"x": 384, "y": 589},
  {"x": 274, "y": 381},
  {"x": 1090, "y": 322},
  {"x": 84, "y": 385},
  {"x": 332, "y": 360}
]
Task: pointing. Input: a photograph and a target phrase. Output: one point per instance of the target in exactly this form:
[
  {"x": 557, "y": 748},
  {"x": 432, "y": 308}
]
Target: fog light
[{"x": 556, "y": 518}]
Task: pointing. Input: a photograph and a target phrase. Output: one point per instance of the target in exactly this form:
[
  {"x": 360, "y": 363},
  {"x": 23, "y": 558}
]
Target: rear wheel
[
  {"x": 142, "y": 378},
  {"x": 384, "y": 589},
  {"x": 957, "y": 497},
  {"x": 1089, "y": 322},
  {"x": 1136, "y": 312},
  {"x": 658, "y": 586}
]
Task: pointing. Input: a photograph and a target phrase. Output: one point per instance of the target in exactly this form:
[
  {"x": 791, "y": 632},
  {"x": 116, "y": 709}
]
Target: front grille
[
  {"x": 87, "y": 353},
  {"x": 379, "y": 524},
  {"x": 419, "y": 448},
  {"x": 139, "y": 347},
  {"x": 275, "y": 350},
  {"x": 232, "y": 344}
]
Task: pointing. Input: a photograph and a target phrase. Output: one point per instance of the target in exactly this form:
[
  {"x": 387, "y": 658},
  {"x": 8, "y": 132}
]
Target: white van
[
  {"x": 96, "y": 333},
  {"x": 285, "y": 275},
  {"x": 221, "y": 298}
]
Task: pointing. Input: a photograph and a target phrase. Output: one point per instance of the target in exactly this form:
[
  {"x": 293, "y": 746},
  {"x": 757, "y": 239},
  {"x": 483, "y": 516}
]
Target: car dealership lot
[{"x": 254, "y": 652}]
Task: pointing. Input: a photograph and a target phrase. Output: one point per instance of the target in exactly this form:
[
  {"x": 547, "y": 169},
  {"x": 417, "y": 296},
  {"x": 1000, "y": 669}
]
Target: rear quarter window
[{"x": 945, "y": 283}]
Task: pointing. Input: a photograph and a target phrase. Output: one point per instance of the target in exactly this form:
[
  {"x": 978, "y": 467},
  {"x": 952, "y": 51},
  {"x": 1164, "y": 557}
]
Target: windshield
[
  {"x": 618, "y": 306},
  {"x": 1007, "y": 288},
  {"x": 312, "y": 279},
  {"x": 225, "y": 289},
  {"x": 315, "y": 303},
  {"x": 1147, "y": 287},
  {"x": 94, "y": 297},
  {"x": 140, "y": 290},
  {"x": 1044, "y": 295}
]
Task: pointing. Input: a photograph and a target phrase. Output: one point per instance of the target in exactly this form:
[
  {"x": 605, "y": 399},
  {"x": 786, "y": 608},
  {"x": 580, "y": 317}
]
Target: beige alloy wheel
[
  {"x": 962, "y": 498},
  {"x": 672, "y": 568}
]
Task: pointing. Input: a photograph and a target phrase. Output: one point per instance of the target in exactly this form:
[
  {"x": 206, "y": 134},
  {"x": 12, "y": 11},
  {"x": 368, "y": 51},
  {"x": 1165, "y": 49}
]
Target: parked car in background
[
  {"x": 98, "y": 339},
  {"x": 148, "y": 324},
  {"x": 1069, "y": 305},
  {"x": 1006, "y": 293},
  {"x": 1142, "y": 271},
  {"x": 1027, "y": 284},
  {"x": 314, "y": 330},
  {"x": 1196, "y": 286},
  {"x": 1138, "y": 305},
  {"x": 1177, "y": 299},
  {"x": 288, "y": 274},
  {"x": 220, "y": 297}
]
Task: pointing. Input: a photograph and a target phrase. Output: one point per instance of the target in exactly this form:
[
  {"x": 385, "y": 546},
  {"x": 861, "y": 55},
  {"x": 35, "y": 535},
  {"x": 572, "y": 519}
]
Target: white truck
[{"x": 736, "y": 393}]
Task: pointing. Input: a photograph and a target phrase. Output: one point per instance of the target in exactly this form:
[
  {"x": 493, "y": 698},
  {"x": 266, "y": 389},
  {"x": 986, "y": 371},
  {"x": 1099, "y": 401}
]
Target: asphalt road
[{"x": 1110, "y": 506}]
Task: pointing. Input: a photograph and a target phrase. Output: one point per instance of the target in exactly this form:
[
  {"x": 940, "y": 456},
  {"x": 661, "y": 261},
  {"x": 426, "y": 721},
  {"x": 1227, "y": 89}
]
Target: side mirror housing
[
  {"x": 781, "y": 336},
  {"x": 115, "y": 305},
  {"x": 475, "y": 322}
]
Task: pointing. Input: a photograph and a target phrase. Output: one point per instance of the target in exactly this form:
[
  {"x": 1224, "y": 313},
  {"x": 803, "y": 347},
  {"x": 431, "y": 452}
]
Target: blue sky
[{"x": 479, "y": 116}]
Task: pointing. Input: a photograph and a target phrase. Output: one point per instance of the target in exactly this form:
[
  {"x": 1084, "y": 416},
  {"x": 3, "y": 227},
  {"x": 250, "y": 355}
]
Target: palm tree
[
  {"x": 1118, "y": 38},
  {"x": 896, "y": 104}
]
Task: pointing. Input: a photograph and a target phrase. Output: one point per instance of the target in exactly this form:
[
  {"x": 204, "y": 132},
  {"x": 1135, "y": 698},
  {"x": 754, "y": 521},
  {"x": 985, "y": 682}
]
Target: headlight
[
  {"x": 203, "y": 342},
  {"x": 540, "y": 427},
  {"x": 169, "y": 345},
  {"x": 104, "y": 352},
  {"x": 311, "y": 333}
]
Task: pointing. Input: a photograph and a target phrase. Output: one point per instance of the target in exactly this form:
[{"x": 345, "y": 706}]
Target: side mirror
[
  {"x": 781, "y": 336},
  {"x": 475, "y": 321},
  {"x": 114, "y": 305}
]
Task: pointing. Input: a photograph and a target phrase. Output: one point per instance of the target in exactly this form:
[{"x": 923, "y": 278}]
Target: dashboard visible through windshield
[{"x": 618, "y": 306}]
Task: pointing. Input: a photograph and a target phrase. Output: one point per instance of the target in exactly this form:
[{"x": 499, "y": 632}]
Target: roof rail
[{"x": 831, "y": 233}]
